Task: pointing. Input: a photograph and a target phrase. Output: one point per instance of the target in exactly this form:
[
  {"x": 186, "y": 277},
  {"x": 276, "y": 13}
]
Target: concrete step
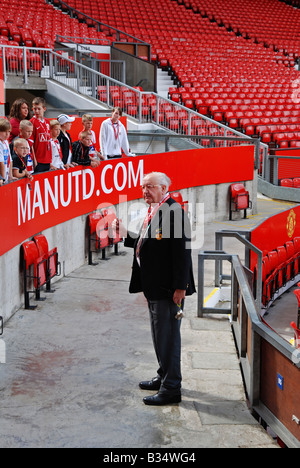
[{"x": 164, "y": 82}]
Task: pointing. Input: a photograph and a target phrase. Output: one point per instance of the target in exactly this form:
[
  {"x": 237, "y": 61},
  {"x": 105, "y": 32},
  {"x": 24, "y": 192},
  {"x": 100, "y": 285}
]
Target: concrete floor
[{"x": 73, "y": 366}]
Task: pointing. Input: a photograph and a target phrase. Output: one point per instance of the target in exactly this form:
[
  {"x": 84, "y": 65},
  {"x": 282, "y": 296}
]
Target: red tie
[{"x": 147, "y": 220}]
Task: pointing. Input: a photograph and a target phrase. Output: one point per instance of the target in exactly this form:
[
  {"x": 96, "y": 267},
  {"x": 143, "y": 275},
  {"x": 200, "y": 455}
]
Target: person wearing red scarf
[{"x": 162, "y": 270}]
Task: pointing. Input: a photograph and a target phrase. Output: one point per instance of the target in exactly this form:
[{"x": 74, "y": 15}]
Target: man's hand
[
  {"x": 119, "y": 227},
  {"x": 178, "y": 296}
]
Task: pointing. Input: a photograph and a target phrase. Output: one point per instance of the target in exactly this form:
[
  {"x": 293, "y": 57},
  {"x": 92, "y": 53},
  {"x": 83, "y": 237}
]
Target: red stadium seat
[
  {"x": 239, "y": 199},
  {"x": 34, "y": 272},
  {"x": 109, "y": 217},
  {"x": 178, "y": 198},
  {"x": 286, "y": 183},
  {"x": 51, "y": 256},
  {"x": 93, "y": 220}
]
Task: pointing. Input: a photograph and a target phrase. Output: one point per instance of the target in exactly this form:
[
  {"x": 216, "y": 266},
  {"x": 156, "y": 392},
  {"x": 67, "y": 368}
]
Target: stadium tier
[{"x": 228, "y": 59}]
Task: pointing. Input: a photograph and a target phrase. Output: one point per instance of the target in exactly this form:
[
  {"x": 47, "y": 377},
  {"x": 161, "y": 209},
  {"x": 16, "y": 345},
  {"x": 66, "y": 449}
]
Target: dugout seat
[
  {"x": 53, "y": 265},
  {"x": 34, "y": 272},
  {"x": 239, "y": 199},
  {"x": 114, "y": 238},
  {"x": 178, "y": 198}
]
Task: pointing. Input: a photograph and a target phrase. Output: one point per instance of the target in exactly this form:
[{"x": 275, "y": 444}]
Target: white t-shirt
[
  {"x": 5, "y": 156},
  {"x": 56, "y": 154}
]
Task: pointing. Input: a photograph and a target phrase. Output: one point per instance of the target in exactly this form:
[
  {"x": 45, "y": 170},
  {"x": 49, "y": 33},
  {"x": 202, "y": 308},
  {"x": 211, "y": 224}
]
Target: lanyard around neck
[{"x": 116, "y": 132}]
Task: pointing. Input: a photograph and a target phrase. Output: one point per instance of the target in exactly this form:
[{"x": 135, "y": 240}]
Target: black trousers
[
  {"x": 41, "y": 167},
  {"x": 165, "y": 329}
]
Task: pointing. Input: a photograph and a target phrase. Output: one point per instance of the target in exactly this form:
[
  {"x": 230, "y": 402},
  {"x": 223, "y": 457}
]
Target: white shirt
[
  {"x": 113, "y": 139},
  {"x": 5, "y": 157},
  {"x": 56, "y": 154}
]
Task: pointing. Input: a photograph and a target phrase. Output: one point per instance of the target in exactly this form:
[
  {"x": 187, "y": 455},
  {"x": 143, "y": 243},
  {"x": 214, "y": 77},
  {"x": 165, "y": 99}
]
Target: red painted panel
[
  {"x": 276, "y": 230},
  {"x": 77, "y": 126},
  {"x": 58, "y": 196},
  {"x": 288, "y": 168}
]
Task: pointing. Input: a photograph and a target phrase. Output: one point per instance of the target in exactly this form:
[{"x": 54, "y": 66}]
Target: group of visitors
[{"x": 30, "y": 145}]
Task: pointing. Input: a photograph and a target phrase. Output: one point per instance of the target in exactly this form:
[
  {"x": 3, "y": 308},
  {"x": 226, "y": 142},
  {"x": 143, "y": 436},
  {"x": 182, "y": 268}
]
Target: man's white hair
[{"x": 160, "y": 178}]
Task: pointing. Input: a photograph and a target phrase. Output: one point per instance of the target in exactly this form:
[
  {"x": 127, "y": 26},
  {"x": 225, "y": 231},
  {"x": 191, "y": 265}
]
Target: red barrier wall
[
  {"x": 275, "y": 231},
  {"x": 77, "y": 127},
  {"x": 58, "y": 196},
  {"x": 288, "y": 168}
]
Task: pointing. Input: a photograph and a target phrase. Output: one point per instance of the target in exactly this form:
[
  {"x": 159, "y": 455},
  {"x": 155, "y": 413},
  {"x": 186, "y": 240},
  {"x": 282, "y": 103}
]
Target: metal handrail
[
  {"x": 99, "y": 23},
  {"x": 86, "y": 81}
]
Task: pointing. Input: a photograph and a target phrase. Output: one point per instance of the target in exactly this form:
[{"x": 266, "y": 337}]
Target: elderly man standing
[{"x": 162, "y": 270}]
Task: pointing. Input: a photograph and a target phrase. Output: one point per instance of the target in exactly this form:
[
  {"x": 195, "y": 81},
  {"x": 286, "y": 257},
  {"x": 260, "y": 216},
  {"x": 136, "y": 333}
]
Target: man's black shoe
[
  {"x": 153, "y": 384},
  {"x": 161, "y": 399}
]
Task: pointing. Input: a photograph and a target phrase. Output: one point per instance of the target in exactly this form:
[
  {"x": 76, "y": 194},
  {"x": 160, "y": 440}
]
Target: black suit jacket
[{"x": 165, "y": 255}]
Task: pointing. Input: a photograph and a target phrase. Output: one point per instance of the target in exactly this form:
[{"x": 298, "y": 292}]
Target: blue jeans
[{"x": 165, "y": 329}]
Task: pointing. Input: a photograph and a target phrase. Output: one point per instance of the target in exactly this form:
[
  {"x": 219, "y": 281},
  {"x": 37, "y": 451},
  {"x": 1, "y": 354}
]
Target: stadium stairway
[{"x": 164, "y": 82}]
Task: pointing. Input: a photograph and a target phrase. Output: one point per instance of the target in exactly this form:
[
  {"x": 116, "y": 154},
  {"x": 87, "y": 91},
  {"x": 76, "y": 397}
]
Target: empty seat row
[
  {"x": 279, "y": 267},
  {"x": 101, "y": 234},
  {"x": 292, "y": 183}
]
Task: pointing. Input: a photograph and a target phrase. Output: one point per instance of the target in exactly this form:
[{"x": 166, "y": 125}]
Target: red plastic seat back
[
  {"x": 290, "y": 249},
  {"x": 296, "y": 241},
  {"x": 94, "y": 218},
  {"x": 30, "y": 253},
  {"x": 237, "y": 189},
  {"x": 273, "y": 257},
  {"x": 110, "y": 216},
  {"x": 296, "y": 182},
  {"x": 53, "y": 262},
  {"x": 177, "y": 197},
  {"x": 40, "y": 271},
  {"x": 102, "y": 234},
  {"x": 42, "y": 244},
  {"x": 286, "y": 183},
  {"x": 266, "y": 266},
  {"x": 282, "y": 256}
]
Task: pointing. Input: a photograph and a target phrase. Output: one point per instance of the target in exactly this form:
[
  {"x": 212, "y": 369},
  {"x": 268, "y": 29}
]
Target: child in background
[
  {"x": 25, "y": 131},
  {"x": 57, "y": 162},
  {"x": 20, "y": 159},
  {"x": 41, "y": 136},
  {"x": 87, "y": 122},
  {"x": 5, "y": 156},
  {"x": 65, "y": 139},
  {"x": 81, "y": 150}
]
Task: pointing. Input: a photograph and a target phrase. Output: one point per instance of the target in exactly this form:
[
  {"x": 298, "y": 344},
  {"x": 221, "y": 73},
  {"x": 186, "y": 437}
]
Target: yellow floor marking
[{"x": 210, "y": 295}]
